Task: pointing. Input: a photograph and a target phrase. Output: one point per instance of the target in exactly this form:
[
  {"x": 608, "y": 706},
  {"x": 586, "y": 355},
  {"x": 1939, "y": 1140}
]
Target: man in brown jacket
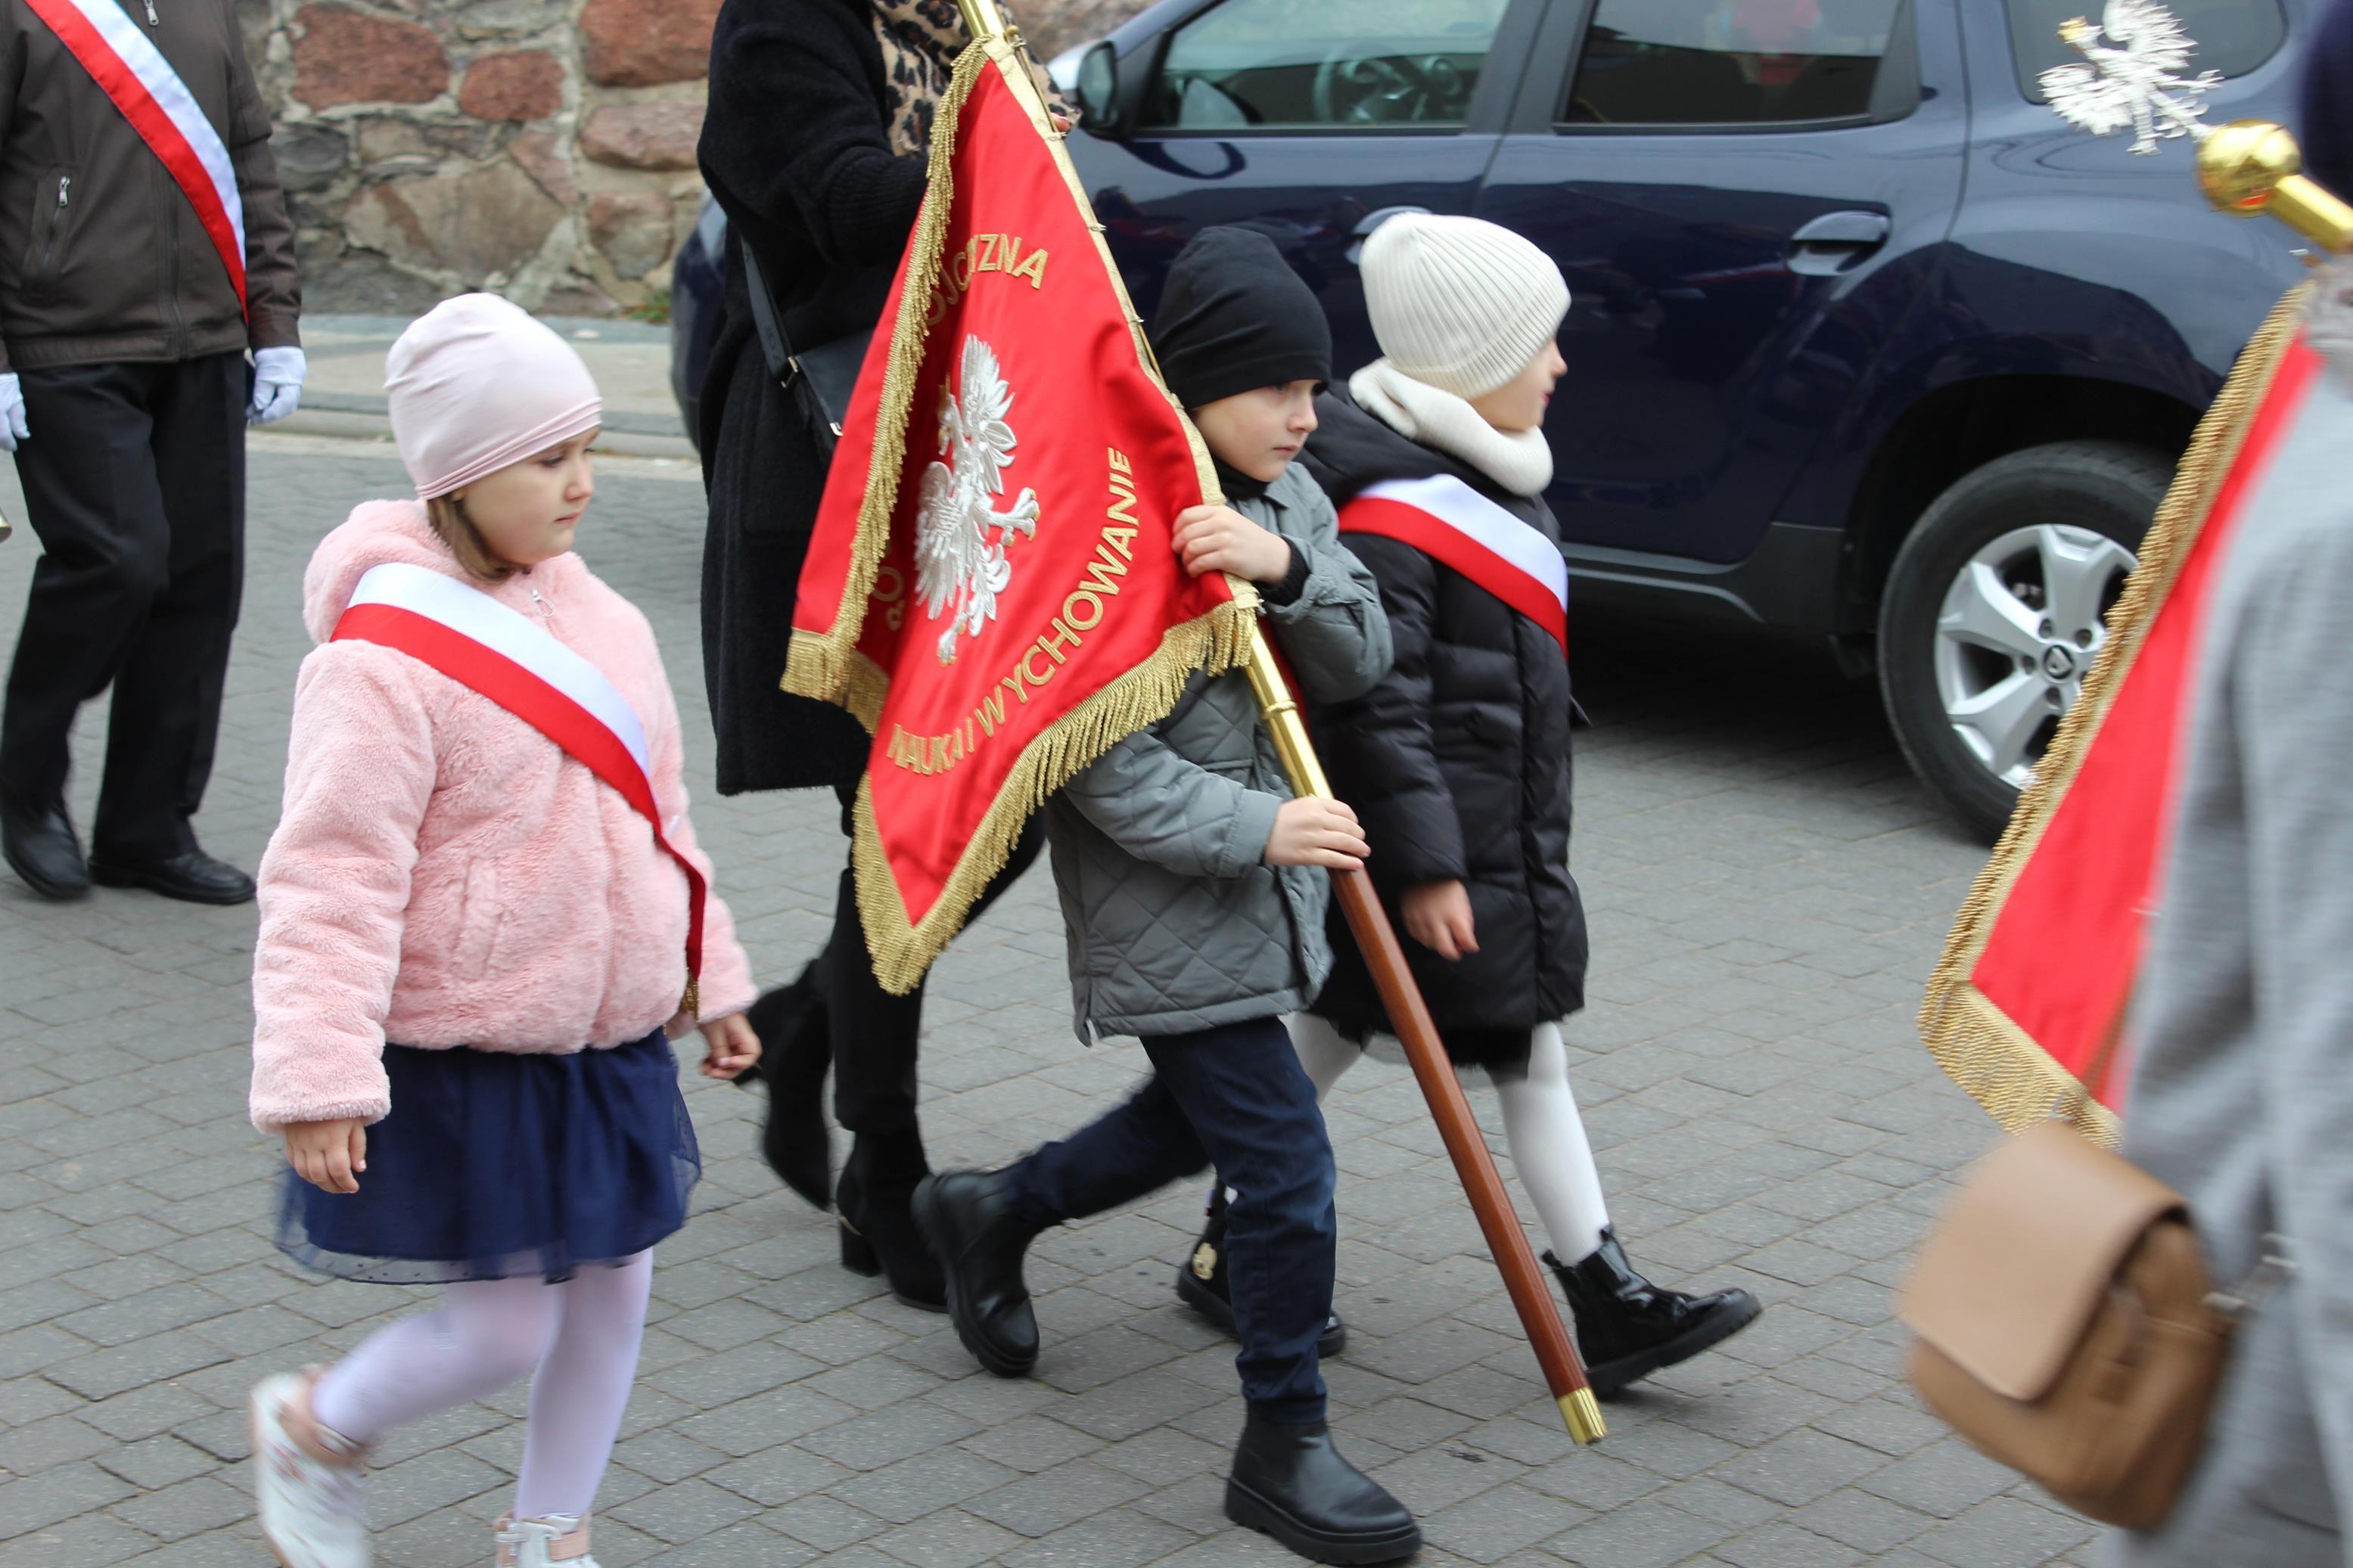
[{"x": 144, "y": 248}]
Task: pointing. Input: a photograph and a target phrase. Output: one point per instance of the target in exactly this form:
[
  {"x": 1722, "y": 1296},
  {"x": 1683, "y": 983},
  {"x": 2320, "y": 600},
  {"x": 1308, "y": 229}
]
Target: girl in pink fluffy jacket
[{"x": 482, "y": 916}]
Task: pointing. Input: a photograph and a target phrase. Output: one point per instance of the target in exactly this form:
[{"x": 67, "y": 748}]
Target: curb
[{"x": 361, "y": 418}]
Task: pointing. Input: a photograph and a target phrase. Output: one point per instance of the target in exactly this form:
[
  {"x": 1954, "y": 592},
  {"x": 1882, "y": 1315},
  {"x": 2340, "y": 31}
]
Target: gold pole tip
[{"x": 1582, "y": 1413}]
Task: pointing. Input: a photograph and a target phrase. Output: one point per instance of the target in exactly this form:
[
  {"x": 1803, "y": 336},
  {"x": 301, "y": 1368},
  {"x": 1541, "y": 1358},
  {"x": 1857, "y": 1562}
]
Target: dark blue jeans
[{"x": 1234, "y": 1096}]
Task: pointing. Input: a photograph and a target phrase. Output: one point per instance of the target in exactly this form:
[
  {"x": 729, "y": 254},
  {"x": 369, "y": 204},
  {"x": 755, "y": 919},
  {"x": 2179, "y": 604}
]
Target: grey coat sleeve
[
  {"x": 1336, "y": 634},
  {"x": 1160, "y": 807},
  {"x": 2291, "y": 696}
]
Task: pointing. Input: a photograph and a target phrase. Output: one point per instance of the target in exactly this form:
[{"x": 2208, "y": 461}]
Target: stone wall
[{"x": 543, "y": 148}]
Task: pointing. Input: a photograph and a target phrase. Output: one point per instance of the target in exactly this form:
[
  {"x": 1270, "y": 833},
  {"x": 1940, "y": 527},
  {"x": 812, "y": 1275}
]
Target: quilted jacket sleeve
[
  {"x": 1334, "y": 632},
  {"x": 334, "y": 886},
  {"x": 1160, "y": 807}
]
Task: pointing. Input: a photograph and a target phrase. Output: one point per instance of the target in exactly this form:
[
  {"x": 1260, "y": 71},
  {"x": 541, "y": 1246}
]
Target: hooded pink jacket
[{"x": 443, "y": 875}]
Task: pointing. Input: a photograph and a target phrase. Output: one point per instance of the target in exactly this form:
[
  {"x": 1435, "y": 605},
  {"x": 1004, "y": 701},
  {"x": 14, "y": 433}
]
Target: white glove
[
  {"x": 12, "y": 413},
  {"x": 276, "y": 384}
]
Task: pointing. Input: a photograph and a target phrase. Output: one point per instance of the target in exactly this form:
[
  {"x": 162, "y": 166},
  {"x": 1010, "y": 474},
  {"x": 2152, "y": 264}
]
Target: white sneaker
[
  {"x": 307, "y": 1479},
  {"x": 560, "y": 1538}
]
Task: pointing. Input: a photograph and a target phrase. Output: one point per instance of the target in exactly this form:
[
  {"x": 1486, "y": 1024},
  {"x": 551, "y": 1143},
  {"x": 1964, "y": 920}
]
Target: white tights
[
  {"x": 1540, "y": 1127},
  {"x": 577, "y": 1342}
]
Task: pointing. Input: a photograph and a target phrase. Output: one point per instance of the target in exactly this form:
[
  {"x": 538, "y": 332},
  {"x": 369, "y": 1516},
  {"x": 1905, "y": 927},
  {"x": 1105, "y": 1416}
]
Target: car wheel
[{"x": 1995, "y": 607}]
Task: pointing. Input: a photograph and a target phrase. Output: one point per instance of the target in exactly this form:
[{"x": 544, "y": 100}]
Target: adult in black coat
[{"x": 814, "y": 144}]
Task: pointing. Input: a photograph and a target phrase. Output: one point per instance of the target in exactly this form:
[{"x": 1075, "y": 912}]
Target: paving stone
[
  {"x": 1947, "y": 1479},
  {"x": 1040, "y": 1504},
  {"x": 2010, "y": 1529},
  {"x": 684, "y": 1511},
  {"x": 1636, "y": 1538}
]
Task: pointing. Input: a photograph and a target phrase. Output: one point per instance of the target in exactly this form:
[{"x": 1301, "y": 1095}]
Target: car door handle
[
  {"x": 1373, "y": 220},
  {"x": 1835, "y": 241}
]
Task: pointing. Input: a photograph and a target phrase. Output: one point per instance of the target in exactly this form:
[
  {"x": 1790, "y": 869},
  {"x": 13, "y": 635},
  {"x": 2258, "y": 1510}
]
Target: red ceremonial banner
[
  {"x": 2028, "y": 1007},
  {"x": 990, "y": 587}
]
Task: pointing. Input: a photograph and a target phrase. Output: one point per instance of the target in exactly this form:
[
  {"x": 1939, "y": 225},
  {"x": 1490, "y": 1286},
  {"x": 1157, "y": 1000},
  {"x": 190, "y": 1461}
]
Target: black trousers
[
  {"x": 135, "y": 481},
  {"x": 1236, "y": 1097},
  {"x": 873, "y": 1033}
]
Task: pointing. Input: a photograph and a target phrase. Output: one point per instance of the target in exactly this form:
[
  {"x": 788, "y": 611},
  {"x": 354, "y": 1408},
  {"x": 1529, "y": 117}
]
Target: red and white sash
[
  {"x": 133, "y": 73},
  {"x": 1456, "y": 526},
  {"x": 504, "y": 656}
]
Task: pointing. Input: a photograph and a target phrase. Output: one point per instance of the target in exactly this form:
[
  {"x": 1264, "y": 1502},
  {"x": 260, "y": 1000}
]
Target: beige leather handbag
[{"x": 2066, "y": 1326}]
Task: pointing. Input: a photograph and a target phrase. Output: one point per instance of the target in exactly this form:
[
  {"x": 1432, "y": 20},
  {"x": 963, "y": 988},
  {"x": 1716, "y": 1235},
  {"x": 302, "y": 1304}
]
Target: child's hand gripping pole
[{"x": 1530, "y": 1296}]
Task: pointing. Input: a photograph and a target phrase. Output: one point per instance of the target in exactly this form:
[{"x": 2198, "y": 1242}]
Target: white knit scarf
[{"x": 1519, "y": 460}]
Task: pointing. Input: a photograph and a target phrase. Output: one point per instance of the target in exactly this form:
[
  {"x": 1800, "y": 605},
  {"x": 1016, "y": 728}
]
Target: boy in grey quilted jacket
[{"x": 1194, "y": 887}]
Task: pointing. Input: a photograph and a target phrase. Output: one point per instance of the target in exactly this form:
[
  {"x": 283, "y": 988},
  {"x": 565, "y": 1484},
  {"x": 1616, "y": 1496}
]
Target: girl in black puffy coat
[{"x": 1458, "y": 763}]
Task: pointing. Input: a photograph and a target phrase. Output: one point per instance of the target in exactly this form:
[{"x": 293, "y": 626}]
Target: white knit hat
[{"x": 1460, "y": 303}]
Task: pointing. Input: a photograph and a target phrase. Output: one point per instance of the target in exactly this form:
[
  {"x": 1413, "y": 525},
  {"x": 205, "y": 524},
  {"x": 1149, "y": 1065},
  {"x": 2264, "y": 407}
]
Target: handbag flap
[{"x": 2010, "y": 1281}]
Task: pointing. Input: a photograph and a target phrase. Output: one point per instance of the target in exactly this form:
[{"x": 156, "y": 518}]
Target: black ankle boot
[
  {"x": 877, "y": 1219},
  {"x": 1628, "y": 1328},
  {"x": 1289, "y": 1482},
  {"x": 1201, "y": 1284},
  {"x": 796, "y": 1053},
  {"x": 969, "y": 1219}
]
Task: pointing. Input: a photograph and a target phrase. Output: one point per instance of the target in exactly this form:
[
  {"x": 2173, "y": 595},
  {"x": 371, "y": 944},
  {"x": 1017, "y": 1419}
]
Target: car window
[
  {"x": 1745, "y": 62},
  {"x": 2233, "y": 36},
  {"x": 1323, "y": 63}
]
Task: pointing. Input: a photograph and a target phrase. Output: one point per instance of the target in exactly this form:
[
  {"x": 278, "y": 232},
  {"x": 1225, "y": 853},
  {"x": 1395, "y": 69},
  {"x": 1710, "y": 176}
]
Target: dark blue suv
[{"x": 1864, "y": 341}]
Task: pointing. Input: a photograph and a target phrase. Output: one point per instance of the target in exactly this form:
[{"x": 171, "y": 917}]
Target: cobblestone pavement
[{"x": 1768, "y": 888}]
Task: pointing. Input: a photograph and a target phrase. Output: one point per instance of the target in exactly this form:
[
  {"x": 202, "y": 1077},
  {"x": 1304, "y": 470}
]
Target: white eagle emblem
[
  {"x": 2134, "y": 78},
  {"x": 960, "y": 536}
]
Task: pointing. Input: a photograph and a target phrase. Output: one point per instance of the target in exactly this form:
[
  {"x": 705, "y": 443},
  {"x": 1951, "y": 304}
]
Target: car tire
[{"x": 1996, "y": 606}]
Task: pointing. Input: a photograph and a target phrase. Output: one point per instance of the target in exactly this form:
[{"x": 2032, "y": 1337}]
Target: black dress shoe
[
  {"x": 968, "y": 1218},
  {"x": 1202, "y": 1285},
  {"x": 1290, "y": 1483},
  {"x": 1628, "y": 1328},
  {"x": 878, "y": 1222},
  {"x": 195, "y": 878},
  {"x": 41, "y": 849},
  {"x": 796, "y": 1052}
]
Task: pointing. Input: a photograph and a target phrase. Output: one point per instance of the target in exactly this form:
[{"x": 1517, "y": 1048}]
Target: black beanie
[{"x": 1234, "y": 317}]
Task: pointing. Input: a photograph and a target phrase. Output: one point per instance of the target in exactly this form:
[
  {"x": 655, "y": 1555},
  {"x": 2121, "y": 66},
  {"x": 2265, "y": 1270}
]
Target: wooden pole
[{"x": 1465, "y": 1144}]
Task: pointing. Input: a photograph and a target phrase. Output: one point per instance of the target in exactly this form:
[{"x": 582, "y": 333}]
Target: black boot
[
  {"x": 1201, "y": 1284},
  {"x": 968, "y": 1218},
  {"x": 878, "y": 1223},
  {"x": 1628, "y": 1328},
  {"x": 1290, "y": 1483},
  {"x": 795, "y": 1054},
  {"x": 40, "y": 848}
]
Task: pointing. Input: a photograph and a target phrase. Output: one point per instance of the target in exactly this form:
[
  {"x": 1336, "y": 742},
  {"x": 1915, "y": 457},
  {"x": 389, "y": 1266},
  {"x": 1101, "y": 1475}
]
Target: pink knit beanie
[{"x": 477, "y": 385}]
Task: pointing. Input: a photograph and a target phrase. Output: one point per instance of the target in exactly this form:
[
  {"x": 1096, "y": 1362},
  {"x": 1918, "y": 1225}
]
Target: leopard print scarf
[{"x": 921, "y": 41}]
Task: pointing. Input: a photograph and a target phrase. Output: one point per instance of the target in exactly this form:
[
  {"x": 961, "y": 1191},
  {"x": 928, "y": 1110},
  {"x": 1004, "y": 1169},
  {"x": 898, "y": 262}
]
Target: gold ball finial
[{"x": 2241, "y": 164}]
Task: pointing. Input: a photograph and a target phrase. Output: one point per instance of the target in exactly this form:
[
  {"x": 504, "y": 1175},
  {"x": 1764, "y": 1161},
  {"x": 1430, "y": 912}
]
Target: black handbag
[{"x": 821, "y": 378}]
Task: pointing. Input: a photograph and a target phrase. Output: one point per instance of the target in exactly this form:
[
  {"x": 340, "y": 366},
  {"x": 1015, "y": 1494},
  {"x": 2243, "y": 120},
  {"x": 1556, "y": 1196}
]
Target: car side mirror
[{"x": 1098, "y": 91}]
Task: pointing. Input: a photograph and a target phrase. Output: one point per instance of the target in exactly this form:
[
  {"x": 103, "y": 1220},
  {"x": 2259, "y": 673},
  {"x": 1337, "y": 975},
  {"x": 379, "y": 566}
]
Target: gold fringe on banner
[
  {"x": 829, "y": 666},
  {"x": 904, "y": 949},
  {"x": 1979, "y": 1047}
]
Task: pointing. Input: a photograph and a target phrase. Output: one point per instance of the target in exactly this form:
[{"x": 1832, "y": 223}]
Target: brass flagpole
[{"x": 1524, "y": 1277}]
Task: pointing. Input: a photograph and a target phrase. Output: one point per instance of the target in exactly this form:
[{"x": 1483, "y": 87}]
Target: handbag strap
[{"x": 774, "y": 345}]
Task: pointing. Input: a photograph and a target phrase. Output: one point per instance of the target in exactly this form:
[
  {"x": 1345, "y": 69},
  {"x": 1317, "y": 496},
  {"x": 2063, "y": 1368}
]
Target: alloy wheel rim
[{"x": 2020, "y": 627}]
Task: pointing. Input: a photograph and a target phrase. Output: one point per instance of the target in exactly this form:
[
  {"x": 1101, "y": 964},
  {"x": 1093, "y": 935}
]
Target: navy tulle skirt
[{"x": 496, "y": 1165}]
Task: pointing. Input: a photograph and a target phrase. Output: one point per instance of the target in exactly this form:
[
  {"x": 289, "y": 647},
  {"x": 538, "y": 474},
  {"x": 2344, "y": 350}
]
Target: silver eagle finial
[{"x": 2135, "y": 77}]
